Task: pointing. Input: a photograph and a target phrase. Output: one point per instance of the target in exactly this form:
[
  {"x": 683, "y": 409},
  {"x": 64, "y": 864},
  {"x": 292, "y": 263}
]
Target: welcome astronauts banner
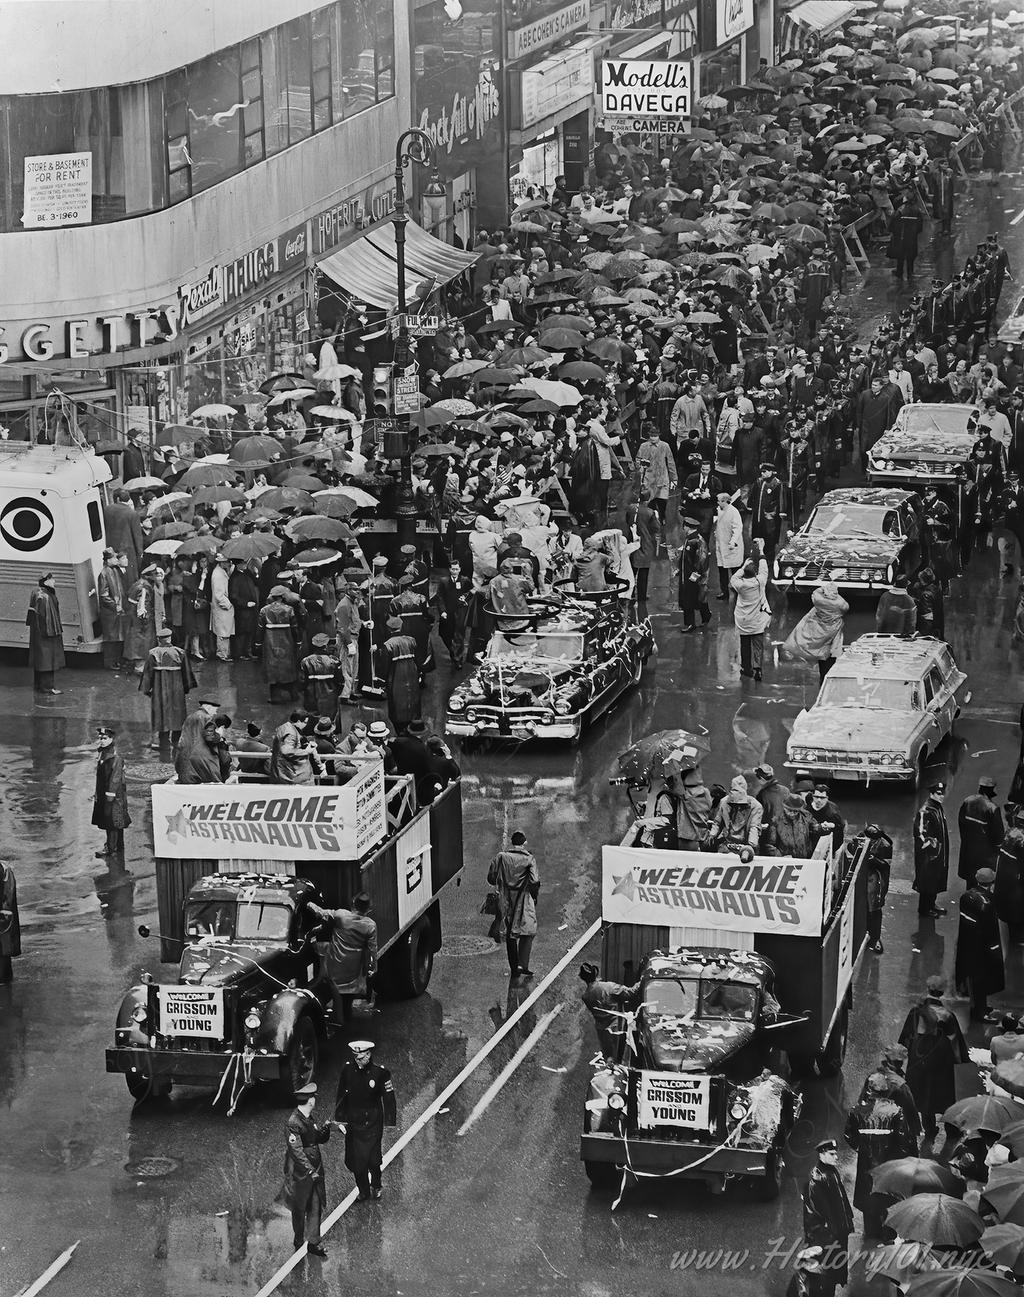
[
  {"x": 676, "y": 889},
  {"x": 270, "y": 821}
]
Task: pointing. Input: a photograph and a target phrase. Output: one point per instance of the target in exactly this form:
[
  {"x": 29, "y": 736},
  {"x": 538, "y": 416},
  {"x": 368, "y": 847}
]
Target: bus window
[{"x": 95, "y": 520}]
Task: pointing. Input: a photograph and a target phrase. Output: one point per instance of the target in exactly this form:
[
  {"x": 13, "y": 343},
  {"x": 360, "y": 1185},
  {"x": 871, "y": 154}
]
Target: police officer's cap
[
  {"x": 361, "y": 1046},
  {"x": 986, "y": 781},
  {"x": 828, "y": 1146},
  {"x": 307, "y": 1091}
]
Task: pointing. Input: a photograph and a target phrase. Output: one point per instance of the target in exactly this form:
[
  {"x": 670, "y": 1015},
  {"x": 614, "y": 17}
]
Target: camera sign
[
  {"x": 645, "y": 88},
  {"x": 195, "y": 1011}
]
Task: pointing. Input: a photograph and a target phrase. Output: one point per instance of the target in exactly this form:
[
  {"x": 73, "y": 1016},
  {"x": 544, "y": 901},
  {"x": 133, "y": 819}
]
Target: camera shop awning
[{"x": 367, "y": 269}]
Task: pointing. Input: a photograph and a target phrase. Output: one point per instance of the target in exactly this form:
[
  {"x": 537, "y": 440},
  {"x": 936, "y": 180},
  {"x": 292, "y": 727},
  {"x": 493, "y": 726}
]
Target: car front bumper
[
  {"x": 902, "y": 475},
  {"x": 812, "y": 583},
  {"x": 186, "y": 1067},
  {"x": 854, "y": 773},
  {"x": 689, "y": 1160},
  {"x": 567, "y": 728}
]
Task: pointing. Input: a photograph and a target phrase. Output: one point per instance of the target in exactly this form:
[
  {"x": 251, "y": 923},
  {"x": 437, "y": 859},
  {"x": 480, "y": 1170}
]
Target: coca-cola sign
[
  {"x": 734, "y": 18},
  {"x": 200, "y": 299},
  {"x": 292, "y": 247}
]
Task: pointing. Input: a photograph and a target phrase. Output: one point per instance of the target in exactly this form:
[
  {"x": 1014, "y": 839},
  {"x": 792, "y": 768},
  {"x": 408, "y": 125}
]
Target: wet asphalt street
[{"x": 178, "y": 1199}]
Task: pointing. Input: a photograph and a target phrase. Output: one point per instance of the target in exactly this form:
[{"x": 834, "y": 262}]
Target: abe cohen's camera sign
[{"x": 645, "y": 88}]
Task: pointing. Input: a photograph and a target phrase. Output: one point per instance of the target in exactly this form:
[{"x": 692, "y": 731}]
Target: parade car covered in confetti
[
  {"x": 551, "y": 675},
  {"x": 859, "y": 537},
  {"x": 924, "y": 445}
]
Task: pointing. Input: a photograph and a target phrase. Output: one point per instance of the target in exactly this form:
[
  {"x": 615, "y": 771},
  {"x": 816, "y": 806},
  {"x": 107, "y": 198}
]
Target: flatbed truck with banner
[
  {"x": 732, "y": 964},
  {"x": 237, "y": 868}
]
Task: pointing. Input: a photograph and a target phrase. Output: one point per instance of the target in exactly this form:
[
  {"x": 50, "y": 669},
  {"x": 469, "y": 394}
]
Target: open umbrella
[
  {"x": 935, "y": 1218},
  {"x": 146, "y": 484},
  {"x": 360, "y": 498},
  {"x": 286, "y": 498},
  {"x": 316, "y": 557},
  {"x": 941, "y": 74},
  {"x": 986, "y": 1112},
  {"x": 703, "y": 317},
  {"x": 433, "y": 417},
  {"x": 283, "y": 383},
  {"x": 304, "y": 481},
  {"x": 905, "y": 1176},
  {"x": 565, "y": 321},
  {"x": 331, "y": 372},
  {"x": 177, "y": 434},
  {"x": 334, "y": 412},
  {"x": 257, "y": 545},
  {"x": 648, "y": 755},
  {"x": 245, "y": 399},
  {"x": 222, "y": 494},
  {"x": 961, "y": 1283},
  {"x": 552, "y": 390},
  {"x": 319, "y": 527},
  {"x": 455, "y": 405},
  {"x": 208, "y": 475},
  {"x": 335, "y": 506},
  {"x": 464, "y": 368},
  {"x": 494, "y": 376},
  {"x": 581, "y": 371},
  {"x": 803, "y": 234},
  {"x": 214, "y": 411},
  {"x": 539, "y": 406},
  {"x": 197, "y": 545},
  {"x": 440, "y": 450},
  {"x": 164, "y": 548},
  {"x": 770, "y": 212},
  {"x": 559, "y": 276},
  {"x": 561, "y": 339},
  {"x": 523, "y": 356},
  {"x": 172, "y": 531},
  {"x": 612, "y": 349},
  {"x": 1004, "y": 1192},
  {"x": 297, "y": 394},
  {"x": 177, "y": 501},
  {"x": 947, "y": 129},
  {"x": 260, "y": 446},
  {"x": 1004, "y": 1244}
]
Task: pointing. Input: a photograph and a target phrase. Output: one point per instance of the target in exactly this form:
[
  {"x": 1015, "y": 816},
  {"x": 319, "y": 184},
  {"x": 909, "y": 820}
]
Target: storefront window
[
  {"x": 720, "y": 69},
  {"x": 158, "y": 143}
]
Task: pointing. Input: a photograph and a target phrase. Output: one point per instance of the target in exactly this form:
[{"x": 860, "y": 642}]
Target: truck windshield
[
  {"x": 730, "y": 1000},
  {"x": 671, "y": 996},
  {"x": 263, "y": 921},
  {"x": 210, "y": 919}
]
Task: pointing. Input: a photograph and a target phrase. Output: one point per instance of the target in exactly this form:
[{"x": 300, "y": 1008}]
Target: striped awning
[
  {"x": 821, "y": 16},
  {"x": 367, "y": 269}
]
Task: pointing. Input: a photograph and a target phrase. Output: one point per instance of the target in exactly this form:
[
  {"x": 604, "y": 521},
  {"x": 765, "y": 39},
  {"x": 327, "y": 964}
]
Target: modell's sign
[
  {"x": 271, "y": 822},
  {"x": 196, "y": 301},
  {"x": 645, "y": 88},
  {"x": 677, "y": 889}
]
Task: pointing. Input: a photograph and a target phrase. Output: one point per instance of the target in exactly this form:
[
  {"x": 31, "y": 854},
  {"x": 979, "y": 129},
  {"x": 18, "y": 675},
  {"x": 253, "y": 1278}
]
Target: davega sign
[
  {"x": 677, "y": 889},
  {"x": 645, "y": 88},
  {"x": 270, "y": 821}
]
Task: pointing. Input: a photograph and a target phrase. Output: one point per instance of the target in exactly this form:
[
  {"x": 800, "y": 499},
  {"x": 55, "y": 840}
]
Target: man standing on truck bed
[
  {"x": 365, "y": 1105},
  {"x": 304, "y": 1188},
  {"x": 352, "y": 954}
]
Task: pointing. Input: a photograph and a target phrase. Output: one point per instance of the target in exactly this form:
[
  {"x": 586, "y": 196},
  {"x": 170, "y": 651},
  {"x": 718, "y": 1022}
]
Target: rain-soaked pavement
[{"x": 177, "y": 1200}]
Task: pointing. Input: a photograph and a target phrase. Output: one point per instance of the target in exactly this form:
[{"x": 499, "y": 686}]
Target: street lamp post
[{"x": 413, "y": 146}]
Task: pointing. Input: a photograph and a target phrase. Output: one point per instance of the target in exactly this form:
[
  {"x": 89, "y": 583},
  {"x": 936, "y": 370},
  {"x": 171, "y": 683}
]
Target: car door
[
  {"x": 910, "y": 560},
  {"x": 939, "y": 701}
]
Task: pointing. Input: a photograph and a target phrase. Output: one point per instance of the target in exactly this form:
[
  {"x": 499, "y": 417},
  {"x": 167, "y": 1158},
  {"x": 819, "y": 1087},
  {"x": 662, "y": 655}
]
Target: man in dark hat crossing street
[
  {"x": 931, "y": 853},
  {"x": 45, "y": 635},
  {"x": 828, "y": 1216},
  {"x": 979, "y": 952},
  {"x": 981, "y": 831},
  {"x": 365, "y": 1105},
  {"x": 304, "y": 1187}
]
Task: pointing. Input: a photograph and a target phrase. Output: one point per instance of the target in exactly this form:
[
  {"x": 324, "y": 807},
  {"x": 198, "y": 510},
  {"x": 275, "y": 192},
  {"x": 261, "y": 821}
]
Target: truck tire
[
  {"x": 769, "y": 1185},
  {"x": 144, "y": 1087},
  {"x": 604, "y": 1177},
  {"x": 298, "y": 1067},
  {"x": 830, "y": 1060},
  {"x": 409, "y": 963}
]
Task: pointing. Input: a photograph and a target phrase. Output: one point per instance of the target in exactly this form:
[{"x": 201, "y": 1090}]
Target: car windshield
[
  {"x": 670, "y": 995},
  {"x": 928, "y": 418},
  {"x": 263, "y": 921},
  {"x": 860, "y": 691},
  {"x": 848, "y": 520},
  {"x": 209, "y": 919},
  {"x": 732, "y": 1000},
  {"x": 566, "y": 646}
]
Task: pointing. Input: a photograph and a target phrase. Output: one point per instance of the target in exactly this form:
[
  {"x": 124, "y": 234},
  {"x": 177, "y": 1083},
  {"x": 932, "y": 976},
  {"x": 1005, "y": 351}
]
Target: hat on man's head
[
  {"x": 828, "y": 1146},
  {"x": 985, "y": 877},
  {"x": 253, "y": 730},
  {"x": 361, "y": 1046},
  {"x": 324, "y": 726},
  {"x": 307, "y": 1091},
  {"x": 379, "y": 561},
  {"x": 936, "y": 984},
  {"x": 379, "y": 730},
  {"x": 895, "y": 1053},
  {"x": 986, "y": 781},
  {"x": 320, "y": 641},
  {"x": 416, "y": 726},
  {"x": 765, "y": 771},
  {"x": 164, "y": 633}
]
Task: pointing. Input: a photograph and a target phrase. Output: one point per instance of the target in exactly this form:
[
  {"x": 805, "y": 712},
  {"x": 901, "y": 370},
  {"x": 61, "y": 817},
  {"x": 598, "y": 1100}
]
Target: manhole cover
[
  {"x": 460, "y": 947},
  {"x": 151, "y": 1168},
  {"x": 150, "y": 772}
]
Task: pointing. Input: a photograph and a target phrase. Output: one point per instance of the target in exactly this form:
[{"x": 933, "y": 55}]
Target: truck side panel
[{"x": 445, "y": 836}]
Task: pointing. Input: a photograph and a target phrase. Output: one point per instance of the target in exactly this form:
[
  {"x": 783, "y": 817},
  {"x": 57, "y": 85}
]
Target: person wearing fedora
[
  {"x": 305, "y": 1190},
  {"x": 981, "y": 831},
  {"x": 110, "y": 800},
  {"x": 979, "y": 952},
  {"x": 365, "y": 1104},
  {"x": 45, "y": 635},
  {"x": 167, "y": 679}
]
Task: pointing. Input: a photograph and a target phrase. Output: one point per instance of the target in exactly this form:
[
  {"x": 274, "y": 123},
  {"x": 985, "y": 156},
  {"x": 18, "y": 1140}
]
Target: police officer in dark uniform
[
  {"x": 305, "y": 1192},
  {"x": 828, "y": 1216},
  {"x": 365, "y": 1105}
]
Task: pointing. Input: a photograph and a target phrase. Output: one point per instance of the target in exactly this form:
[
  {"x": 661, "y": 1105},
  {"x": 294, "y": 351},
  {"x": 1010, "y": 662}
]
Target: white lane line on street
[
  {"x": 437, "y": 1104},
  {"x": 1018, "y": 218},
  {"x": 54, "y": 1268},
  {"x": 508, "y": 1071}
]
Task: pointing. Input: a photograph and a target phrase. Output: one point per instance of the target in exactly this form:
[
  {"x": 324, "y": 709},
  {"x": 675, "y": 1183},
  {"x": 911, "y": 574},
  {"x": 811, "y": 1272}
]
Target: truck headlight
[
  {"x": 738, "y": 1111},
  {"x": 456, "y": 703},
  {"x": 252, "y": 1020},
  {"x": 788, "y": 570},
  {"x": 617, "y": 1102},
  {"x": 471, "y": 714},
  {"x": 547, "y": 718},
  {"x": 140, "y": 1014}
]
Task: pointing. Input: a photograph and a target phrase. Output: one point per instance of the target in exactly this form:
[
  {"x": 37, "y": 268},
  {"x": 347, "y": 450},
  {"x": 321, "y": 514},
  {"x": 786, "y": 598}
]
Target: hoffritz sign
[
  {"x": 645, "y": 88},
  {"x": 677, "y": 889},
  {"x": 538, "y": 35},
  {"x": 286, "y": 822},
  {"x": 734, "y": 18}
]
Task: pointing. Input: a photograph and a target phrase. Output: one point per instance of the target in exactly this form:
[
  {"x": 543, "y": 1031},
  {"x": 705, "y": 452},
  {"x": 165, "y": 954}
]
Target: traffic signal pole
[{"x": 412, "y": 146}]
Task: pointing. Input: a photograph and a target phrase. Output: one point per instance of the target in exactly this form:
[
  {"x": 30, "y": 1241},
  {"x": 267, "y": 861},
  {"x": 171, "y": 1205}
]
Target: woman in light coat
[
  {"x": 752, "y": 614},
  {"x": 483, "y": 545},
  {"x": 222, "y": 612},
  {"x": 818, "y": 637},
  {"x": 728, "y": 542}
]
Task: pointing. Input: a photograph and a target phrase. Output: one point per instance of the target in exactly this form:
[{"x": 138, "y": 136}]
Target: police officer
[
  {"x": 305, "y": 1191},
  {"x": 365, "y": 1105},
  {"x": 828, "y": 1216},
  {"x": 981, "y": 831}
]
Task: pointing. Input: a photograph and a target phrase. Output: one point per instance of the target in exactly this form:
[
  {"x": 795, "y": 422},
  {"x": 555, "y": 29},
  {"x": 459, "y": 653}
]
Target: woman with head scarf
[
  {"x": 197, "y": 758},
  {"x": 818, "y": 637}
]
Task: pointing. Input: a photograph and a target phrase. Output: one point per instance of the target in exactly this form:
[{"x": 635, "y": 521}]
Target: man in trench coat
[
  {"x": 45, "y": 635},
  {"x": 981, "y": 831},
  {"x": 979, "y": 953},
  {"x": 935, "y": 1045},
  {"x": 931, "y": 853},
  {"x": 166, "y": 681},
  {"x": 352, "y": 953},
  {"x": 110, "y": 802},
  {"x": 304, "y": 1189}
]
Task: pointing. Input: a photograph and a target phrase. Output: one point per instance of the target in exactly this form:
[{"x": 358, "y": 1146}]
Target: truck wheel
[
  {"x": 769, "y": 1186},
  {"x": 143, "y": 1087},
  {"x": 830, "y": 1060},
  {"x": 410, "y": 962},
  {"x": 801, "y": 1065},
  {"x": 603, "y": 1176},
  {"x": 298, "y": 1067}
]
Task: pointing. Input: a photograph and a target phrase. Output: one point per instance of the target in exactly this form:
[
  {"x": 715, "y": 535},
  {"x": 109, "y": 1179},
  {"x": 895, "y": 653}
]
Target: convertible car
[
  {"x": 548, "y": 678},
  {"x": 859, "y": 537},
  {"x": 924, "y": 445}
]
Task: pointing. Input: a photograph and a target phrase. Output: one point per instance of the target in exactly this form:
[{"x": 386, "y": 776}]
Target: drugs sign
[
  {"x": 641, "y": 88},
  {"x": 192, "y": 1011},
  {"x": 669, "y": 1099}
]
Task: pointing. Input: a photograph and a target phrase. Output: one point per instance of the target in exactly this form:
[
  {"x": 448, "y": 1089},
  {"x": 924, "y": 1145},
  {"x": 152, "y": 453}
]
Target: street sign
[
  {"x": 405, "y": 394},
  {"x": 417, "y": 326}
]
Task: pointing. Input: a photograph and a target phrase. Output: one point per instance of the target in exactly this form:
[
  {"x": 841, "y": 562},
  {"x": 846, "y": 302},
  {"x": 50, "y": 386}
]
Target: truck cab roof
[
  {"x": 710, "y": 964},
  {"x": 230, "y": 887}
]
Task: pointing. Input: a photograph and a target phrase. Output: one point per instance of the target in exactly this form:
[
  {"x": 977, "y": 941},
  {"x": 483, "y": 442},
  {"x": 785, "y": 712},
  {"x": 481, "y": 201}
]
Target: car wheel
[
  {"x": 299, "y": 1065},
  {"x": 604, "y": 1177},
  {"x": 769, "y": 1185},
  {"x": 407, "y": 966},
  {"x": 919, "y": 769}
]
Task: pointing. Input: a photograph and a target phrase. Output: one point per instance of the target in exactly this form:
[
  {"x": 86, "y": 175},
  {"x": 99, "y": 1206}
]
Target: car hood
[
  {"x": 675, "y": 1045},
  {"x": 853, "y": 729},
  {"x": 226, "y": 965},
  {"x": 934, "y": 445},
  {"x": 851, "y": 549}
]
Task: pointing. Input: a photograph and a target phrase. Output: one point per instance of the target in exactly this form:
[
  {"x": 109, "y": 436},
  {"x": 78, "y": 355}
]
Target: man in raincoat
[
  {"x": 319, "y": 673},
  {"x": 45, "y": 635},
  {"x": 304, "y": 1189},
  {"x": 351, "y": 954},
  {"x": 935, "y": 1045},
  {"x": 931, "y": 853},
  {"x": 877, "y": 1129},
  {"x": 981, "y": 830},
  {"x": 401, "y": 675},
  {"x": 979, "y": 953},
  {"x": 276, "y": 637},
  {"x": 693, "y": 576},
  {"x": 514, "y": 875},
  {"x": 166, "y": 680},
  {"x": 10, "y": 924},
  {"x": 110, "y": 802}
]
